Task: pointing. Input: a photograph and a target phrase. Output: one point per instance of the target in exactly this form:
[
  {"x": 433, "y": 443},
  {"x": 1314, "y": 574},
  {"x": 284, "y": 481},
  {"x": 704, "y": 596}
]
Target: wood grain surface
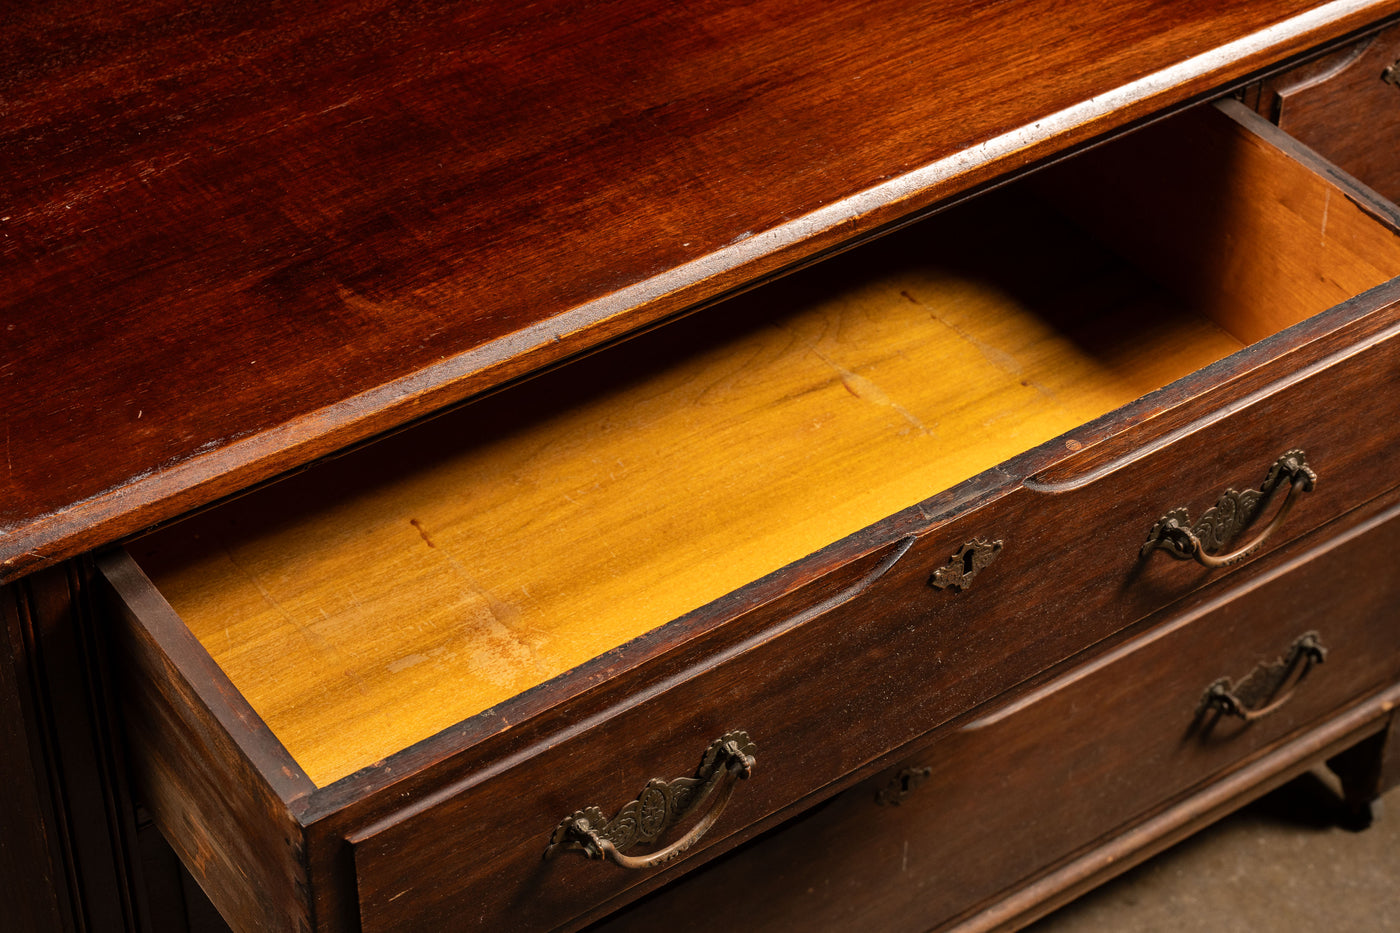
[
  {"x": 227, "y": 804},
  {"x": 1045, "y": 605},
  {"x": 1210, "y": 185},
  {"x": 821, "y": 698},
  {"x": 236, "y": 238}
]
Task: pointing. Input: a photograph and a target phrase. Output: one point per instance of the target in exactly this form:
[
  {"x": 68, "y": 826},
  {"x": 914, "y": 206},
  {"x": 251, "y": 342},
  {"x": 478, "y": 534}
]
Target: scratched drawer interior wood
[
  {"x": 361, "y": 638},
  {"x": 1115, "y": 738}
]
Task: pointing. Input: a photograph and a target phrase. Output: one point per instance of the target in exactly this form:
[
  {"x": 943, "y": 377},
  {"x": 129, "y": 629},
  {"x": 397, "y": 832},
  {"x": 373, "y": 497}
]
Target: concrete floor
[{"x": 1280, "y": 865}]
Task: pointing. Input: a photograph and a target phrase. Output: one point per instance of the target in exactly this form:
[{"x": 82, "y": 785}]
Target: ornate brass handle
[
  {"x": 1175, "y": 534},
  {"x": 659, "y": 806},
  {"x": 1268, "y": 686}
]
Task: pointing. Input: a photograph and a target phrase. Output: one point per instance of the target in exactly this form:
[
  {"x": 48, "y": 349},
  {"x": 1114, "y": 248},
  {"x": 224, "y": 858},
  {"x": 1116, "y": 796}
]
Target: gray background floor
[{"x": 1279, "y": 865}]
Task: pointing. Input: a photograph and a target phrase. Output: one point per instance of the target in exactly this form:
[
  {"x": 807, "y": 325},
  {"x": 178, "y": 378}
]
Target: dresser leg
[{"x": 1367, "y": 770}]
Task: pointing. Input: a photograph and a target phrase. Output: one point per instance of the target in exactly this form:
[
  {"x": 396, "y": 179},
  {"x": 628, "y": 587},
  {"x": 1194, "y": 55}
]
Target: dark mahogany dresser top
[{"x": 235, "y": 237}]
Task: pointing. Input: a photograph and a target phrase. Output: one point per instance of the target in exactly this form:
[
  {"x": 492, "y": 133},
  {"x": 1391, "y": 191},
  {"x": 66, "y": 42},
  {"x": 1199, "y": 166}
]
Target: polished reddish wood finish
[
  {"x": 267, "y": 234},
  {"x": 235, "y": 240}
]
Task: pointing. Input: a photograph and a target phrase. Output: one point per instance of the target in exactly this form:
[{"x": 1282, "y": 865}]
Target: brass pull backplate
[
  {"x": 1232, "y": 513},
  {"x": 1268, "y": 686},
  {"x": 660, "y": 805}
]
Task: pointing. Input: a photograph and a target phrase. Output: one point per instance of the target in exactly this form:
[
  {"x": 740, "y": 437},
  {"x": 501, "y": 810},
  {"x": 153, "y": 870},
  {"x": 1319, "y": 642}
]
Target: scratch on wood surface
[
  {"x": 412, "y": 660},
  {"x": 863, "y": 388},
  {"x": 340, "y": 106},
  {"x": 1006, "y": 362},
  {"x": 505, "y": 616},
  {"x": 1326, "y": 203},
  {"x": 379, "y": 313},
  {"x": 422, "y": 533},
  {"x": 404, "y": 663},
  {"x": 312, "y": 638},
  {"x": 997, "y": 357}
]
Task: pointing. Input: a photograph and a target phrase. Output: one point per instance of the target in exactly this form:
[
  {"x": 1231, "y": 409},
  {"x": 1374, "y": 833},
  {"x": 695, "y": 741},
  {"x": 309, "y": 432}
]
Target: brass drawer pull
[
  {"x": 1175, "y": 534},
  {"x": 659, "y": 806},
  {"x": 1268, "y": 686}
]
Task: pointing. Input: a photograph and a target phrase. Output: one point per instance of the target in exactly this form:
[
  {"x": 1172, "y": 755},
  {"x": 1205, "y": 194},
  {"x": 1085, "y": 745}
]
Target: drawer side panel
[{"x": 229, "y": 821}]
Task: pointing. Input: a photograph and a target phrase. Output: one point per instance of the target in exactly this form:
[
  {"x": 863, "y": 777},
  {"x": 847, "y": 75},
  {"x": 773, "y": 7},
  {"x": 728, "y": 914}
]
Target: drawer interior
[{"x": 377, "y": 599}]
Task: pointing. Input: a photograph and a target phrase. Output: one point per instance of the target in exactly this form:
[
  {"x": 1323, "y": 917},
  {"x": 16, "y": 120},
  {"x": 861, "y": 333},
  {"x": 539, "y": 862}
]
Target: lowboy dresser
[{"x": 555, "y": 465}]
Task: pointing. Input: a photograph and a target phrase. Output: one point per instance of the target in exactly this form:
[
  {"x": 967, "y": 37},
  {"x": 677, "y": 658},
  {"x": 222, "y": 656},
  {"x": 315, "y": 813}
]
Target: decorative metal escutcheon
[
  {"x": 1234, "y": 511},
  {"x": 1268, "y": 686},
  {"x": 902, "y": 785},
  {"x": 969, "y": 560},
  {"x": 659, "y": 806}
]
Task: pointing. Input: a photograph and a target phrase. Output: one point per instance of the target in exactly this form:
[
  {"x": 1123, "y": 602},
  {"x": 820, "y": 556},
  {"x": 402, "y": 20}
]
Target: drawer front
[
  {"x": 1074, "y": 762},
  {"x": 1347, "y": 107},
  {"x": 872, "y": 666}
]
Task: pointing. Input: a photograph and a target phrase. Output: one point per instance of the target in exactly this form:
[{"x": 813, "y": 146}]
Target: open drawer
[{"x": 833, "y": 514}]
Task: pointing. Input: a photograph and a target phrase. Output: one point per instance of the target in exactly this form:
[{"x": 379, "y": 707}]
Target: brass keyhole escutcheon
[{"x": 902, "y": 785}]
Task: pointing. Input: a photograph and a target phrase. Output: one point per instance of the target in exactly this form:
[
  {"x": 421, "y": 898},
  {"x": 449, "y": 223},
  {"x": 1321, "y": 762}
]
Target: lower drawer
[{"x": 1075, "y": 762}]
